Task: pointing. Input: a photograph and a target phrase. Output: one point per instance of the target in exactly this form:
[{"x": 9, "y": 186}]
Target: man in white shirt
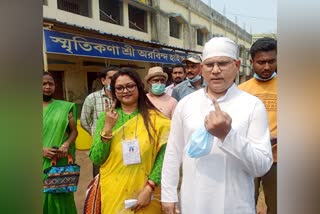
[
  {"x": 178, "y": 74},
  {"x": 221, "y": 136},
  {"x": 156, "y": 80}
]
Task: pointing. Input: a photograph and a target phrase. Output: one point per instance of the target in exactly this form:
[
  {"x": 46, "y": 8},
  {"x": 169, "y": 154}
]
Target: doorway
[
  {"x": 58, "y": 78},
  {"x": 93, "y": 77}
]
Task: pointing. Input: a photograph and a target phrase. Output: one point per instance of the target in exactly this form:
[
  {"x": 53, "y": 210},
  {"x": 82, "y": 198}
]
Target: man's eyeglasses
[
  {"x": 222, "y": 65},
  {"x": 130, "y": 87}
]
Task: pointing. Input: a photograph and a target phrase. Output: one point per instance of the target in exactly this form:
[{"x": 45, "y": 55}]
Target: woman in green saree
[
  {"x": 59, "y": 132},
  {"x": 129, "y": 145}
]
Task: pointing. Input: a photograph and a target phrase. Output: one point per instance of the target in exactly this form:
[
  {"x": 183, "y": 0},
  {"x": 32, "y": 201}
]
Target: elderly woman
[{"x": 129, "y": 145}]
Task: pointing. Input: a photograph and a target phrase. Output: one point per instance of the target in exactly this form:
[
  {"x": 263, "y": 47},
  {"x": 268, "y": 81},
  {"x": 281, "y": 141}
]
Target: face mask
[
  {"x": 195, "y": 79},
  {"x": 158, "y": 89},
  {"x": 46, "y": 98},
  {"x": 256, "y": 76},
  {"x": 200, "y": 143},
  {"x": 108, "y": 87}
]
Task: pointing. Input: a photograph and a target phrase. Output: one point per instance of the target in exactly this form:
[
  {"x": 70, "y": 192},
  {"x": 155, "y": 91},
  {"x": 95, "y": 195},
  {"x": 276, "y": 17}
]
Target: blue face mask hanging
[
  {"x": 158, "y": 89},
  {"x": 200, "y": 143},
  {"x": 261, "y": 79},
  {"x": 195, "y": 79},
  {"x": 108, "y": 87}
]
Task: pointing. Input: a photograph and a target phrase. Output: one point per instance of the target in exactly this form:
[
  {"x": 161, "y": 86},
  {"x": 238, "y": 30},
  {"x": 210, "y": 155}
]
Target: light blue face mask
[
  {"x": 158, "y": 89},
  {"x": 195, "y": 79},
  {"x": 256, "y": 76},
  {"x": 108, "y": 87},
  {"x": 200, "y": 143}
]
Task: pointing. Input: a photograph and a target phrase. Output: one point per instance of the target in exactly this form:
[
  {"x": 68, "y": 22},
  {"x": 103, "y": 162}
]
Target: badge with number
[{"x": 130, "y": 152}]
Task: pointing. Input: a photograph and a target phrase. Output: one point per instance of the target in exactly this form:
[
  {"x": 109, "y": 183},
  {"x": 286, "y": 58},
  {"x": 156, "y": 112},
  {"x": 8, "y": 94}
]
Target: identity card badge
[{"x": 130, "y": 152}]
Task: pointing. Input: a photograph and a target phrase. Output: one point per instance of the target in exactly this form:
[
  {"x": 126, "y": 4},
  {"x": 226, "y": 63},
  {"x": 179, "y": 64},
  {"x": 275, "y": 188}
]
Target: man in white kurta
[{"x": 222, "y": 181}]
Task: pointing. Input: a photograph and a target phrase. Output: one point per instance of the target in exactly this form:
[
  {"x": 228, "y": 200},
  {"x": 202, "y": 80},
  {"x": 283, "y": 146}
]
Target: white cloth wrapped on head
[{"x": 220, "y": 46}]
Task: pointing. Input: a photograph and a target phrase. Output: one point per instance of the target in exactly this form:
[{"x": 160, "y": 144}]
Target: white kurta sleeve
[
  {"x": 254, "y": 148},
  {"x": 172, "y": 159}
]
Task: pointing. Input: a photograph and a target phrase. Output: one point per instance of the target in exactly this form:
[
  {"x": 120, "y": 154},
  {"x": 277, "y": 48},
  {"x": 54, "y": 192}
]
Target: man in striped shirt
[{"x": 95, "y": 103}]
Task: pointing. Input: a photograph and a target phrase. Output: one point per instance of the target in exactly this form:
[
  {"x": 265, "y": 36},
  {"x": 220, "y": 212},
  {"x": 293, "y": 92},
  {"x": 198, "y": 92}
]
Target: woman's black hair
[
  {"x": 45, "y": 73},
  {"x": 144, "y": 104}
]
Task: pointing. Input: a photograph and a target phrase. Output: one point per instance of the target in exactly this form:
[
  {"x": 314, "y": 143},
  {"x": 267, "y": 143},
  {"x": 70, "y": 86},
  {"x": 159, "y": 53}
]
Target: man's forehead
[
  {"x": 188, "y": 63},
  {"x": 158, "y": 77},
  {"x": 177, "y": 69},
  {"x": 217, "y": 58},
  {"x": 111, "y": 72},
  {"x": 266, "y": 54}
]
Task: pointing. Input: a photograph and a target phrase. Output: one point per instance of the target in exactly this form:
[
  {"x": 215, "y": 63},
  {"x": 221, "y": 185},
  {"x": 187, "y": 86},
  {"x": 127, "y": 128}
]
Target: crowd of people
[{"x": 199, "y": 145}]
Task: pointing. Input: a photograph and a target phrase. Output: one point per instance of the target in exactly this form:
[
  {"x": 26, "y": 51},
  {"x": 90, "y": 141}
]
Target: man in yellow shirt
[{"x": 264, "y": 85}]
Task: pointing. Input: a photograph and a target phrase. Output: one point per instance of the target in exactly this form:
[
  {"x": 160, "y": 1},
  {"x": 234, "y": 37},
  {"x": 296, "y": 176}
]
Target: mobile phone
[{"x": 55, "y": 147}]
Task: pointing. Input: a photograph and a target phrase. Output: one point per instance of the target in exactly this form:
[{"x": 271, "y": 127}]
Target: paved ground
[
  {"x": 261, "y": 206},
  {"x": 83, "y": 160},
  {"x": 86, "y": 176}
]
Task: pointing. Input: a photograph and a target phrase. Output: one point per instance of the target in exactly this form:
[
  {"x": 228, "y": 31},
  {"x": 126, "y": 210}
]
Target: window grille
[
  {"x": 111, "y": 11},
  {"x": 80, "y": 7},
  {"x": 137, "y": 19},
  {"x": 200, "y": 37},
  {"x": 174, "y": 27}
]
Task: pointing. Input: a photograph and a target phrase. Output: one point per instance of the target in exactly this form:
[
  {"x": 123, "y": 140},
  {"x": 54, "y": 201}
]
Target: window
[
  {"x": 80, "y": 7},
  {"x": 175, "y": 27},
  {"x": 111, "y": 11},
  {"x": 200, "y": 37},
  {"x": 137, "y": 19}
]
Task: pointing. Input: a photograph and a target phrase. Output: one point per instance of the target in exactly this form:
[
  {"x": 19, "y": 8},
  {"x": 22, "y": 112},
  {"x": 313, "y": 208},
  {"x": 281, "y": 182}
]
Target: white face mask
[
  {"x": 195, "y": 79},
  {"x": 108, "y": 88}
]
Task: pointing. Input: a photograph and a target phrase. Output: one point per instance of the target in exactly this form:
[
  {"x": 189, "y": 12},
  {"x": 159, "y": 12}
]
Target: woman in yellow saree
[{"x": 129, "y": 145}]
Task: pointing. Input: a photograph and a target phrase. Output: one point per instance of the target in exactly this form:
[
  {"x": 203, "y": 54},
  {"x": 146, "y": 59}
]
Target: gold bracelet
[{"x": 106, "y": 137}]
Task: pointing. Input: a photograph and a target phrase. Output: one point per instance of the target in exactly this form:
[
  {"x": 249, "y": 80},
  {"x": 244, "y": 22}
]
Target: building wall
[
  {"x": 193, "y": 14},
  {"x": 94, "y": 22}
]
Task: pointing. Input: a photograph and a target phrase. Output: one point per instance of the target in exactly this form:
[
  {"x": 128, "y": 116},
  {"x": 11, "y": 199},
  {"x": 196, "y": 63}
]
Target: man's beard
[
  {"x": 46, "y": 98},
  {"x": 178, "y": 80}
]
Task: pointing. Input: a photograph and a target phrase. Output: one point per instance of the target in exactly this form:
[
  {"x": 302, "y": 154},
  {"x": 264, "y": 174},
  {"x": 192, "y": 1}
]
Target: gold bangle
[{"x": 105, "y": 137}]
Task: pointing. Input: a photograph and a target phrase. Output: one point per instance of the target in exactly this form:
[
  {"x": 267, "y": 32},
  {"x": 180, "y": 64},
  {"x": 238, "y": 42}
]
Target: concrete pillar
[
  {"x": 95, "y": 12},
  {"x": 125, "y": 14},
  {"x": 53, "y": 4}
]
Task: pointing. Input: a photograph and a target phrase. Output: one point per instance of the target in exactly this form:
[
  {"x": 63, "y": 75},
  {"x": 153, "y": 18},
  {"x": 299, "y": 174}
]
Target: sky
[{"x": 255, "y": 16}]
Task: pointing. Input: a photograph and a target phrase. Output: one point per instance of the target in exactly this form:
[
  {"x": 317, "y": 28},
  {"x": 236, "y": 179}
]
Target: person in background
[
  {"x": 59, "y": 132},
  {"x": 156, "y": 80},
  {"x": 178, "y": 75},
  {"x": 96, "y": 84},
  {"x": 129, "y": 145},
  {"x": 194, "y": 80},
  {"x": 264, "y": 86},
  {"x": 223, "y": 141},
  {"x": 95, "y": 104}
]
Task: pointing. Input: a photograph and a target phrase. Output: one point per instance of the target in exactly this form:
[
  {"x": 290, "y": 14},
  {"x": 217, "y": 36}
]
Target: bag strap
[
  {"x": 54, "y": 160},
  {"x": 70, "y": 159}
]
